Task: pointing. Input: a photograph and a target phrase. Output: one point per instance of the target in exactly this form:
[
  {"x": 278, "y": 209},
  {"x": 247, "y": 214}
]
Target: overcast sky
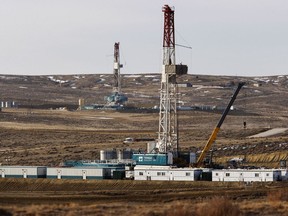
[{"x": 228, "y": 37}]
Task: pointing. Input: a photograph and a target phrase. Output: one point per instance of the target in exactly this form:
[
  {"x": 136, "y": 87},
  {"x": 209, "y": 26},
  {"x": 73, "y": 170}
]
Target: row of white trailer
[
  {"x": 161, "y": 173},
  {"x": 253, "y": 175},
  {"x": 165, "y": 173},
  {"x": 55, "y": 172}
]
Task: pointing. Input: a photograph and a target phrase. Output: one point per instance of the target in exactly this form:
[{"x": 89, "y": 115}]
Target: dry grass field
[
  {"x": 126, "y": 197},
  {"x": 38, "y": 133}
]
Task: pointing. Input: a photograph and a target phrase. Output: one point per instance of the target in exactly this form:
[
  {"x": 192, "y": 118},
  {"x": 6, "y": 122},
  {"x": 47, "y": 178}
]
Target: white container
[
  {"x": 166, "y": 173},
  {"x": 253, "y": 175},
  {"x": 22, "y": 172},
  {"x": 77, "y": 173}
]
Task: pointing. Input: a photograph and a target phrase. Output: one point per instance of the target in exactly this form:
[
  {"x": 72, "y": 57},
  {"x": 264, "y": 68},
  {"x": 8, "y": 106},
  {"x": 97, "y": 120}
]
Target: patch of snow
[
  {"x": 150, "y": 76},
  {"x": 57, "y": 80},
  {"x": 207, "y": 87},
  {"x": 104, "y": 118},
  {"x": 8, "y": 78},
  {"x": 103, "y": 75},
  {"x": 132, "y": 76},
  {"x": 143, "y": 96}
]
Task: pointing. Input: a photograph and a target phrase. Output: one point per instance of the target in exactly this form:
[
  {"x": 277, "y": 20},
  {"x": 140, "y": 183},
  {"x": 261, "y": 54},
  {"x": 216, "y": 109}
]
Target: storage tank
[
  {"x": 102, "y": 155},
  {"x": 282, "y": 163},
  {"x": 120, "y": 154},
  {"x": 7, "y": 104},
  {"x": 151, "y": 146},
  {"x": 127, "y": 154},
  {"x": 108, "y": 154},
  {"x": 124, "y": 154},
  {"x": 81, "y": 103}
]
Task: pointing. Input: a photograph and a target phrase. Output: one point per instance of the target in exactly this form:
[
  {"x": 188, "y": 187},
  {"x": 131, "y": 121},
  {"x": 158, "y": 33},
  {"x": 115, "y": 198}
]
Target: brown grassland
[{"x": 38, "y": 134}]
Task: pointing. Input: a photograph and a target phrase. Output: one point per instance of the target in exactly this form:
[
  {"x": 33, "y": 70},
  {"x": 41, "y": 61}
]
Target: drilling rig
[
  {"x": 116, "y": 98},
  {"x": 168, "y": 119},
  {"x": 166, "y": 147}
]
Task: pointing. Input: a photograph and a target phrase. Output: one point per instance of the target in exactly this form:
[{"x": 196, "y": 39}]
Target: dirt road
[{"x": 270, "y": 132}]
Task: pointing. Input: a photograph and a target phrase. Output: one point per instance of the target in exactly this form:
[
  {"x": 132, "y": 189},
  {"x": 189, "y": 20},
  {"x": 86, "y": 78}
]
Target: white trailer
[
  {"x": 166, "y": 173},
  {"x": 78, "y": 173},
  {"x": 22, "y": 172},
  {"x": 246, "y": 175}
]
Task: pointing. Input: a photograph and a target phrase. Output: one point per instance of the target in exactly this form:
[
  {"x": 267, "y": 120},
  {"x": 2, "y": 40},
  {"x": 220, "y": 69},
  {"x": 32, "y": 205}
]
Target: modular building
[
  {"x": 166, "y": 173},
  {"x": 108, "y": 166},
  {"x": 253, "y": 175},
  {"x": 22, "y": 172},
  {"x": 78, "y": 173}
]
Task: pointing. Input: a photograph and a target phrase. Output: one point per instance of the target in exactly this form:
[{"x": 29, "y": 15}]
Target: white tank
[
  {"x": 151, "y": 146},
  {"x": 108, "y": 154},
  {"x": 124, "y": 154},
  {"x": 120, "y": 154},
  {"x": 102, "y": 155}
]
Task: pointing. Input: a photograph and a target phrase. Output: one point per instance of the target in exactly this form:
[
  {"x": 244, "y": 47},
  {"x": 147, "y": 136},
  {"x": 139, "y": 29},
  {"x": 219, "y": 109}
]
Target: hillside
[
  {"x": 143, "y": 89},
  {"x": 36, "y": 133}
]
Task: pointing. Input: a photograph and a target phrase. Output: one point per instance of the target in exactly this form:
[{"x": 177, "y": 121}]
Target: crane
[{"x": 213, "y": 136}]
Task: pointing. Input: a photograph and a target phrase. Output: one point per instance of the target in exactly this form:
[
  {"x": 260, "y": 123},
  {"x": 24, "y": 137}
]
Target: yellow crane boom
[{"x": 213, "y": 136}]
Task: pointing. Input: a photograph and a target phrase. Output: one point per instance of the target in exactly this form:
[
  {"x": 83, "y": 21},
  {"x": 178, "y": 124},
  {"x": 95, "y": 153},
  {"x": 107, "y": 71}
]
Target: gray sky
[{"x": 229, "y": 37}]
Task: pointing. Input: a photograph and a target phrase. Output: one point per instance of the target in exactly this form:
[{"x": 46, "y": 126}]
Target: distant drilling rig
[
  {"x": 116, "y": 98},
  {"x": 168, "y": 119}
]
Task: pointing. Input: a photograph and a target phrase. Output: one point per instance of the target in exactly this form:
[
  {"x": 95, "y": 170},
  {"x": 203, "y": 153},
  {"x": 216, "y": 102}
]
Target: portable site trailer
[
  {"x": 152, "y": 159},
  {"x": 78, "y": 173},
  {"x": 166, "y": 173},
  {"x": 22, "y": 172},
  {"x": 253, "y": 175}
]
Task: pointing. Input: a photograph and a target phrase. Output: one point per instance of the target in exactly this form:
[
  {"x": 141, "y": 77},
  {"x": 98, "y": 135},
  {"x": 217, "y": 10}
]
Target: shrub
[
  {"x": 5, "y": 212},
  {"x": 277, "y": 196},
  {"x": 219, "y": 206},
  {"x": 180, "y": 210}
]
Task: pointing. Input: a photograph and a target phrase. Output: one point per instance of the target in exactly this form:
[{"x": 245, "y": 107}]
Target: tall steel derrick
[
  {"x": 168, "y": 120},
  {"x": 117, "y": 66},
  {"x": 116, "y": 98}
]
